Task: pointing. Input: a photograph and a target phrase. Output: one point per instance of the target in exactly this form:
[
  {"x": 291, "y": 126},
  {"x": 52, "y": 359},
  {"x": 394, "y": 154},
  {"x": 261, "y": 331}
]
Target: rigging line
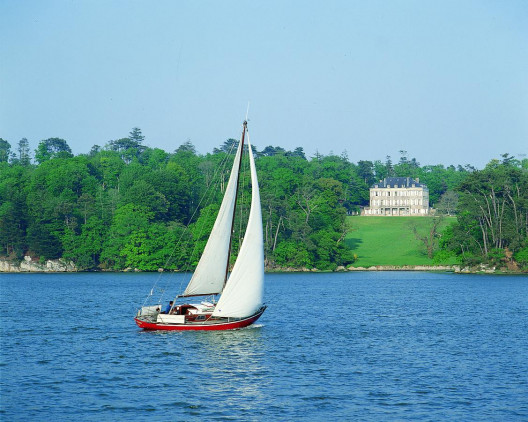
[
  {"x": 243, "y": 206},
  {"x": 236, "y": 199},
  {"x": 207, "y": 199},
  {"x": 207, "y": 193}
]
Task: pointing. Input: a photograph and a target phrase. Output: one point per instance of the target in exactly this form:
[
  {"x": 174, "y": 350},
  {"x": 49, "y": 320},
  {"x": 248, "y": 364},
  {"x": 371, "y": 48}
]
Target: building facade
[{"x": 398, "y": 196}]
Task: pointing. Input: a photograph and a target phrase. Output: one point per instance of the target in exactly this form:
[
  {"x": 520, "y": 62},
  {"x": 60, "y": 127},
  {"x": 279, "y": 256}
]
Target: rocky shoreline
[{"x": 30, "y": 265}]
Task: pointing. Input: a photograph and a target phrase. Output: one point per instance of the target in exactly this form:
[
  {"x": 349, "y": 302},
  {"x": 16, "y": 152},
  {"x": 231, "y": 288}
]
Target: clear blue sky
[{"x": 445, "y": 80}]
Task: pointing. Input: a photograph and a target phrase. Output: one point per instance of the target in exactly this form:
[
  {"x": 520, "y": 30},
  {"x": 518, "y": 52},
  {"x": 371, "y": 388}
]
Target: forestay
[{"x": 209, "y": 276}]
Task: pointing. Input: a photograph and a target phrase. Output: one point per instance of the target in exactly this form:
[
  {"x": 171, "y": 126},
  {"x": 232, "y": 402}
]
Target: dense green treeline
[
  {"x": 492, "y": 218},
  {"x": 126, "y": 205}
]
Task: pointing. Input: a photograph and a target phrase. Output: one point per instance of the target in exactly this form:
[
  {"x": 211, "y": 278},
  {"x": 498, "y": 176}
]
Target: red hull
[{"x": 152, "y": 326}]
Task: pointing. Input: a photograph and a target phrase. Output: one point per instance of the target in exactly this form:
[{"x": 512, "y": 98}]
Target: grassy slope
[{"x": 389, "y": 240}]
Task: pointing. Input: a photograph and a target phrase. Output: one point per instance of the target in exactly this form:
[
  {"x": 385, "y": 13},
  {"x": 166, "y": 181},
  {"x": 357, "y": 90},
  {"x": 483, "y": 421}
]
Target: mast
[{"x": 236, "y": 198}]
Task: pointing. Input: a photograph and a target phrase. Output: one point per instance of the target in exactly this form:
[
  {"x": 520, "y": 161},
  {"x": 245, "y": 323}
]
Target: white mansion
[{"x": 398, "y": 196}]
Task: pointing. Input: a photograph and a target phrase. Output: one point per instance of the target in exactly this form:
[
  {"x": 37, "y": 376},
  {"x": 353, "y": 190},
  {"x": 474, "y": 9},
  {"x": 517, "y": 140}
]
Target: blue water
[{"x": 354, "y": 346}]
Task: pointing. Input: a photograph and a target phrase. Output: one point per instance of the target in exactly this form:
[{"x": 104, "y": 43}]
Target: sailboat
[{"x": 241, "y": 291}]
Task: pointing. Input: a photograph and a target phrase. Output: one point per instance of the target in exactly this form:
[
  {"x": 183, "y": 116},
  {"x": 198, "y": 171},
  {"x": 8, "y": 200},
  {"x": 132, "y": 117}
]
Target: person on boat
[
  {"x": 167, "y": 308},
  {"x": 175, "y": 310}
]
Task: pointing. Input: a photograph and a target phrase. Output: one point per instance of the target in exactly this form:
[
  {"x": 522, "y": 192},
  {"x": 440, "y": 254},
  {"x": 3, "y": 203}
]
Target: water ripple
[{"x": 379, "y": 346}]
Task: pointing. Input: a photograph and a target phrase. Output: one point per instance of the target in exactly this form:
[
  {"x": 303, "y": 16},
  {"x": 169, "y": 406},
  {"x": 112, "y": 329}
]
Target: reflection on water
[
  {"x": 233, "y": 361},
  {"x": 229, "y": 364}
]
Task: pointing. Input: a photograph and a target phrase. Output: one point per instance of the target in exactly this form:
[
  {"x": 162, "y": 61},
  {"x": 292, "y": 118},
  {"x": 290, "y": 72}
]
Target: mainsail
[
  {"x": 209, "y": 276},
  {"x": 243, "y": 293}
]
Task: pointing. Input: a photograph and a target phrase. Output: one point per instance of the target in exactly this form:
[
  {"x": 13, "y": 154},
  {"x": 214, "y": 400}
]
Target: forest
[{"x": 128, "y": 206}]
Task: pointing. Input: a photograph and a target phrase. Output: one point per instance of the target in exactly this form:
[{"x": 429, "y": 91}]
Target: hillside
[{"x": 389, "y": 240}]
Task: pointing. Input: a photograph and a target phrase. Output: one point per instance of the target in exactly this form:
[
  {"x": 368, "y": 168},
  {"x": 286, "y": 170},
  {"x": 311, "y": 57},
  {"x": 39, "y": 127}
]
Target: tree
[
  {"x": 380, "y": 170},
  {"x": 5, "y": 148},
  {"x": 23, "y": 152},
  {"x": 130, "y": 222},
  {"x": 293, "y": 254},
  {"x": 94, "y": 150},
  {"x": 406, "y": 167},
  {"x": 129, "y": 148},
  {"x": 143, "y": 194},
  {"x": 430, "y": 238},
  {"x": 110, "y": 167},
  {"x": 298, "y": 152},
  {"x": 122, "y": 145},
  {"x": 389, "y": 169},
  {"x": 154, "y": 158},
  {"x": 270, "y": 151},
  {"x": 13, "y": 208},
  {"x": 43, "y": 240},
  {"x": 186, "y": 147},
  {"x": 136, "y": 136},
  {"x": 88, "y": 245},
  {"x": 365, "y": 170},
  {"x": 52, "y": 148},
  {"x": 448, "y": 203},
  {"x": 228, "y": 146},
  {"x": 172, "y": 189},
  {"x": 492, "y": 213}
]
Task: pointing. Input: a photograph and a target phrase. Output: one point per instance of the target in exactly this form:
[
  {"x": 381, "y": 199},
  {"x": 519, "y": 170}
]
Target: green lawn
[{"x": 390, "y": 240}]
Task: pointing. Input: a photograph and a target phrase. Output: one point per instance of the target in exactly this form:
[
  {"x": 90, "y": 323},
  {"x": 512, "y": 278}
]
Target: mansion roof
[{"x": 398, "y": 182}]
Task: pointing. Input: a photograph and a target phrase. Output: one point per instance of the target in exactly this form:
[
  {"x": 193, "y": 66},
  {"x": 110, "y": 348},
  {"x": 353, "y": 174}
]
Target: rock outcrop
[{"x": 28, "y": 265}]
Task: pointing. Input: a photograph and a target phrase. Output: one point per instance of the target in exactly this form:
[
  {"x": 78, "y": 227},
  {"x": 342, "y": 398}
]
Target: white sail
[
  {"x": 243, "y": 293},
  {"x": 209, "y": 276}
]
